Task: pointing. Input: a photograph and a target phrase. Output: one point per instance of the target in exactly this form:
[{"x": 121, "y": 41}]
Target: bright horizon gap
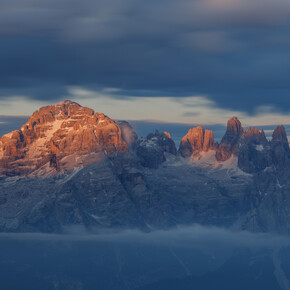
[{"x": 197, "y": 110}]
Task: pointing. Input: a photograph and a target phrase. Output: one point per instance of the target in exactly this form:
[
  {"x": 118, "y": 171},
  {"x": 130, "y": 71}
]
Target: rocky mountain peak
[
  {"x": 167, "y": 134},
  {"x": 254, "y": 153},
  {"x": 60, "y": 111},
  {"x": 230, "y": 142},
  {"x": 280, "y": 134},
  {"x": 256, "y": 136},
  {"x": 152, "y": 150},
  {"x": 253, "y": 132},
  {"x": 234, "y": 128},
  {"x": 196, "y": 141},
  {"x": 66, "y": 103},
  {"x": 280, "y": 148},
  {"x": 53, "y": 134}
]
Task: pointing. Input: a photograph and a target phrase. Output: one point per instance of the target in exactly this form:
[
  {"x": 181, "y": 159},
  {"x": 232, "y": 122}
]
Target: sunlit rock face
[
  {"x": 208, "y": 141},
  {"x": 230, "y": 142},
  {"x": 59, "y": 137},
  {"x": 152, "y": 150},
  {"x": 253, "y": 152},
  {"x": 196, "y": 141}
]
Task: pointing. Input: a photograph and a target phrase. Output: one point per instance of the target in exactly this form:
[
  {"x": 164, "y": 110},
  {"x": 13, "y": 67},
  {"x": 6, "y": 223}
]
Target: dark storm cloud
[{"x": 235, "y": 52}]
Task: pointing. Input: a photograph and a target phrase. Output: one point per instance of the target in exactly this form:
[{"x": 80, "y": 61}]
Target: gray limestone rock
[{"x": 151, "y": 150}]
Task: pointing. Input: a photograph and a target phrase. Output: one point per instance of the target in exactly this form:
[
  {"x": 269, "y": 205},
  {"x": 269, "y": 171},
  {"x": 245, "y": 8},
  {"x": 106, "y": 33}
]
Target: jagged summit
[
  {"x": 255, "y": 136},
  {"x": 279, "y": 134},
  {"x": 230, "y": 142},
  {"x": 61, "y": 110},
  {"x": 64, "y": 136},
  {"x": 59, "y": 137},
  {"x": 234, "y": 127},
  {"x": 195, "y": 141},
  {"x": 152, "y": 150},
  {"x": 254, "y": 132},
  {"x": 233, "y": 132},
  {"x": 280, "y": 148},
  {"x": 66, "y": 102},
  {"x": 250, "y": 149}
]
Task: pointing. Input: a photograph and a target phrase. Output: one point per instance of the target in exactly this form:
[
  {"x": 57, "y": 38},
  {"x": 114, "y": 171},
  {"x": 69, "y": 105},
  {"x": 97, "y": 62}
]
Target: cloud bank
[{"x": 235, "y": 53}]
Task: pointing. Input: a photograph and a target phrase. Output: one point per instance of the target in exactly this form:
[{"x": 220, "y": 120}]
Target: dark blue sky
[{"x": 235, "y": 53}]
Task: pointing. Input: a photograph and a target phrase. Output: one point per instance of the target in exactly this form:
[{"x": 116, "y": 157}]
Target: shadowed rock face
[
  {"x": 196, "y": 141},
  {"x": 230, "y": 142},
  {"x": 279, "y": 135},
  {"x": 151, "y": 150},
  {"x": 255, "y": 135},
  {"x": 128, "y": 134},
  {"x": 55, "y": 132},
  {"x": 254, "y": 152},
  {"x": 280, "y": 148},
  {"x": 252, "y": 149}
]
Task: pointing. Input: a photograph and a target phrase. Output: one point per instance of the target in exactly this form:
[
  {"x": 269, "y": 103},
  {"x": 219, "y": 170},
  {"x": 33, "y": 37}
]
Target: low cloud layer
[
  {"x": 129, "y": 259},
  {"x": 192, "y": 236}
]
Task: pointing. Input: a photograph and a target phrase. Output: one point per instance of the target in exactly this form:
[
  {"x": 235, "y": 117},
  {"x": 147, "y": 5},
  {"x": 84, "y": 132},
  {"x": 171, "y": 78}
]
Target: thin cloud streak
[{"x": 183, "y": 110}]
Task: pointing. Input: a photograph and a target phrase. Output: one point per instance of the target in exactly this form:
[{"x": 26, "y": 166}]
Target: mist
[
  {"x": 189, "y": 236},
  {"x": 132, "y": 259}
]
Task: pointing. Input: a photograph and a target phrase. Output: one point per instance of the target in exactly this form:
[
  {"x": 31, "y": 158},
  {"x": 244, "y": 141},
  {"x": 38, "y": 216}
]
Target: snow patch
[
  {"x": 259, "y": 147},
  {"x": 232, "y": 162},
  {"x": 37, "y": 148},
  {"x": 204, "y": 159},
  {"x": 149, "y": 143},
  {"x": 208, "y": 160}
]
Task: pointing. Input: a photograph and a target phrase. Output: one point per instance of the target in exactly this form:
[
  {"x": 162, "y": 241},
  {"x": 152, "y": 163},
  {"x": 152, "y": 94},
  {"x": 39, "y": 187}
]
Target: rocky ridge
[
  {"x": 61, "y": 137},
  {"x": 71, "y": 166},
  {"x": 250, "y": 147}
]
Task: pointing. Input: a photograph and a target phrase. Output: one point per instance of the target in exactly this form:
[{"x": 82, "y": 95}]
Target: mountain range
[{"x": 70, "y": 166}]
